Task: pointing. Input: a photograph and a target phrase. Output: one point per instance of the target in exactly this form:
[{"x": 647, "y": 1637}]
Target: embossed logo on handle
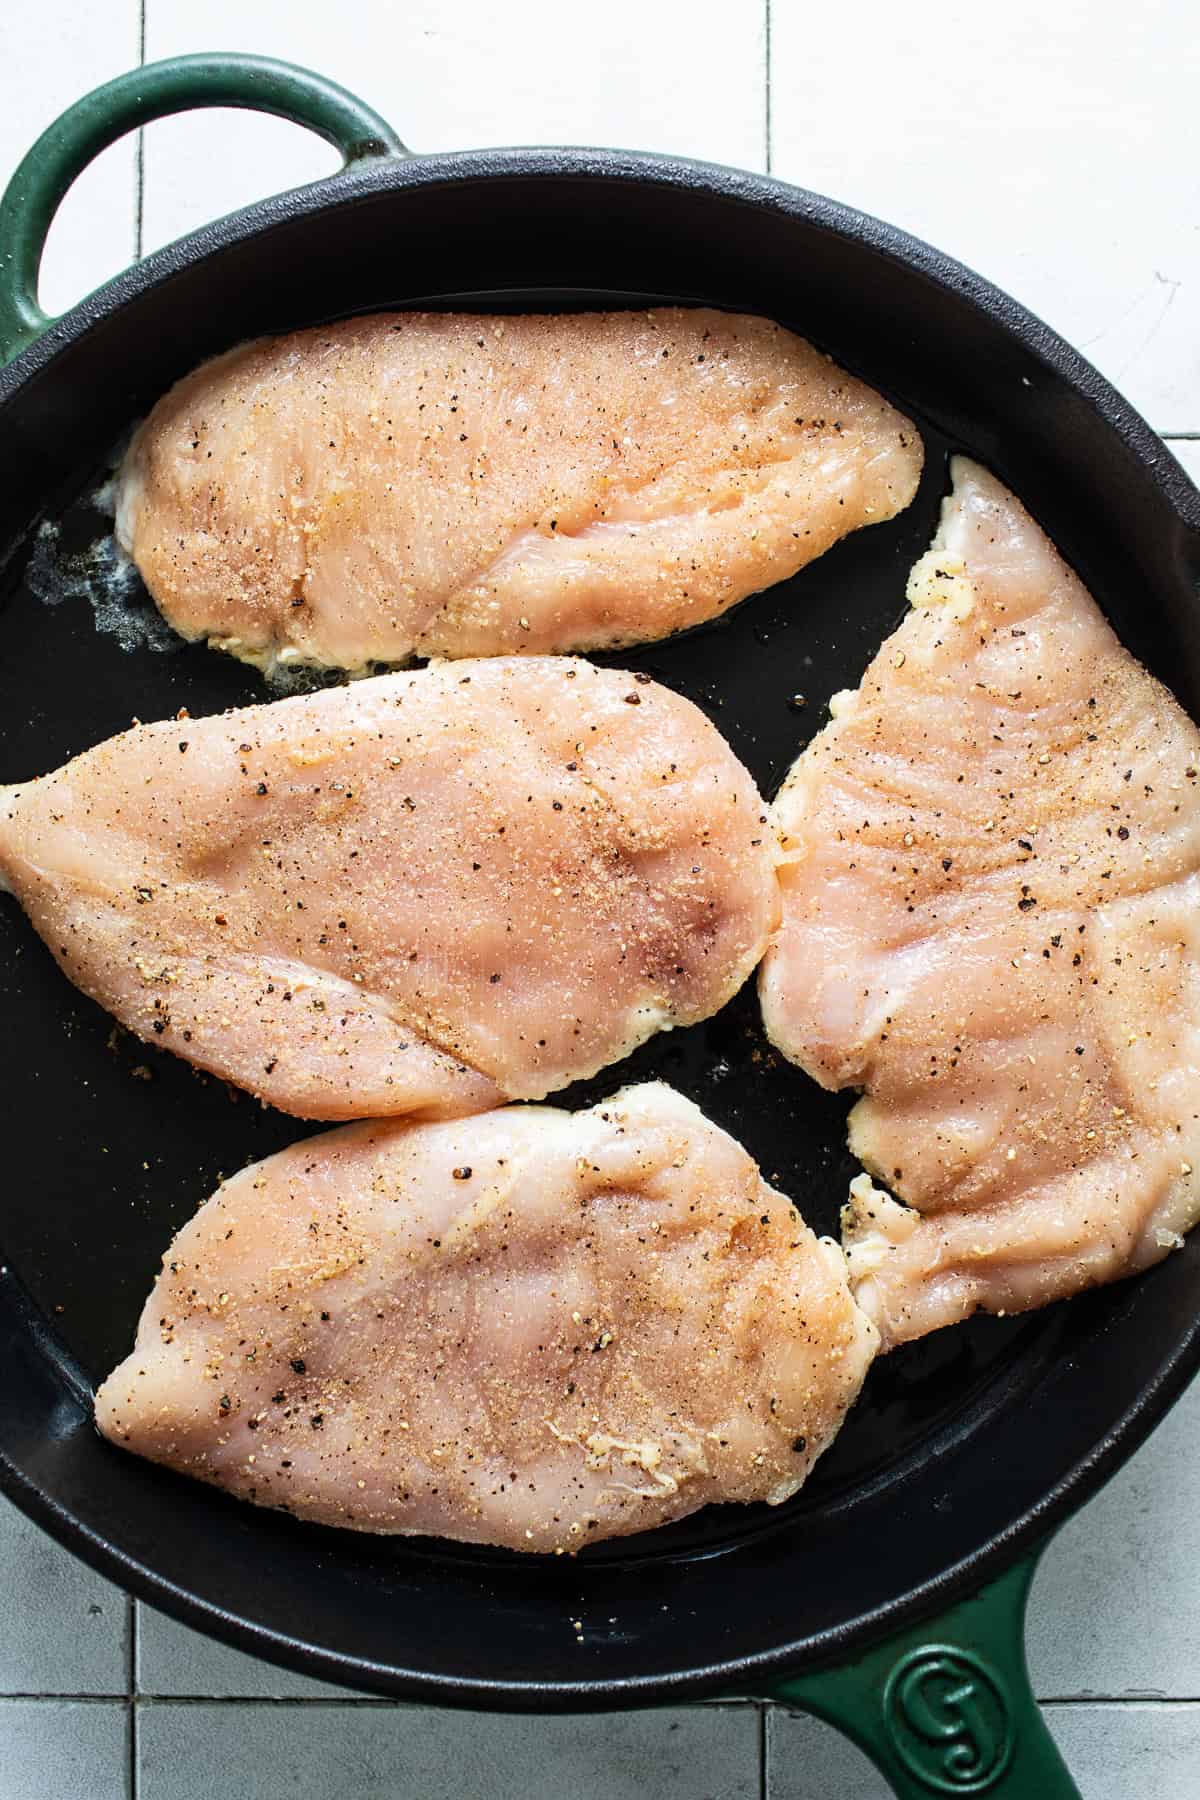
[{"x": 949, "y": 1720}]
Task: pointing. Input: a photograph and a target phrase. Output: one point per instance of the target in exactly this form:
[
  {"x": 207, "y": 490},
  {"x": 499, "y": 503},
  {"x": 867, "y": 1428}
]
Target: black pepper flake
[
  {"x": 947, "y": 863},
  {"x": 317, "y": 1420},
  {"x": 1122, "y": 831},
  {"x": 463, "y": 1173},
  {"x": 299, "y": 1366},
  {"x": 641, "y": 675},
  {"x": 632, "y": 699},
  {"x": 261, "y": 788},
  {"x": 183, "y": 744},
  {"x": 799, "y": 1445}
]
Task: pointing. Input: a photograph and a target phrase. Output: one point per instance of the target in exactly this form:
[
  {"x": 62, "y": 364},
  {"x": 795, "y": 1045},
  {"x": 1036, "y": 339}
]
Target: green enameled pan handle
[
  {"x": 66, "y": 148},
  {"x": 946, "y": 1707}
]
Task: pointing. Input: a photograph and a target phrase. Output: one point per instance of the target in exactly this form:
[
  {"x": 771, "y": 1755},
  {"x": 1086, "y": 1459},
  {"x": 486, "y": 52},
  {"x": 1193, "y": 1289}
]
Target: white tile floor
[{"x": 1055, "y": 149}]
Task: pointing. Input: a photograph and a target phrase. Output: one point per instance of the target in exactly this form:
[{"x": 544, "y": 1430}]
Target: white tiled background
[{"x": 1053, "y": 147}]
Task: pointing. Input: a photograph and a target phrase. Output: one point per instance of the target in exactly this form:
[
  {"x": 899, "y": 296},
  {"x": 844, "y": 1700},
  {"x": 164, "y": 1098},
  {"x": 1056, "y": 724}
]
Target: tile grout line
[
  {"x": 380, "y": 1703},
  {"x": 764, "y": 1790},
  {"x": 139, "y": 157},
  {"x": 132, "y": 1710},
  {"x": 121, "y": 1700},
  {"x": 1120, "y": 1700},
  {"x": 767, "y": 85},
  {"x": 324, "y": 1702}
]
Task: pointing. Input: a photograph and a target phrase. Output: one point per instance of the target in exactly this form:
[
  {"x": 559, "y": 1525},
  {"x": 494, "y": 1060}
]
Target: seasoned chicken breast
[
  {"x": 530, "y": 1328},
  {"x": 445, "y": 484},
  {"x": 424, "y": 893},
  {"x": 991, "y": 923}
]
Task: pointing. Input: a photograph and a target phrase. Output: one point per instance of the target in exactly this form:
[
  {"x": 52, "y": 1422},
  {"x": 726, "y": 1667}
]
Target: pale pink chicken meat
[
  {"x": 530, "y": 1328},
  {"x": 426, "y": 892},
  {"x": 991, "y": 924},
  {"x": 449, "y": 484}
]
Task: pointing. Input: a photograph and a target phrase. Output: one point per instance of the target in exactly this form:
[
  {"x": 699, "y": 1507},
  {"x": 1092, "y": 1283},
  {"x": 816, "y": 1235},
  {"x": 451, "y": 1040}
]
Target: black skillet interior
[{"x": 960, "y": 1445}]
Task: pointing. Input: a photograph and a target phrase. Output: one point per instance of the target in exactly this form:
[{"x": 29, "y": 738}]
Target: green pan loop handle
[
  {"x": 946, "y": 1708},
  {"x": 65, "y": 149}
]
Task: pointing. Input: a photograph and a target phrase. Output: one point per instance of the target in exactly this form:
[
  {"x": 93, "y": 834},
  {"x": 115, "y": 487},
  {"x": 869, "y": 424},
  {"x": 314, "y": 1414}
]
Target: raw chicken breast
[
  {"x": 532, "y": 1328},
  {"x": 991, "y": 923},
  {"x": 422, "y": 893},
  {"x": 442, "y": 484}
]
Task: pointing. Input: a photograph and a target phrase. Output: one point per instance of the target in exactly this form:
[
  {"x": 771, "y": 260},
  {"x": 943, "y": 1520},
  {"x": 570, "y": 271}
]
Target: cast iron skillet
[{"x": 966, "y": 1449}]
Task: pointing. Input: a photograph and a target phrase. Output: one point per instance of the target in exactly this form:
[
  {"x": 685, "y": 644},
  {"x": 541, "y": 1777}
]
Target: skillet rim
[
  {"x": 749, "y": 1673},
  {"x": 367, "y": 177}
]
